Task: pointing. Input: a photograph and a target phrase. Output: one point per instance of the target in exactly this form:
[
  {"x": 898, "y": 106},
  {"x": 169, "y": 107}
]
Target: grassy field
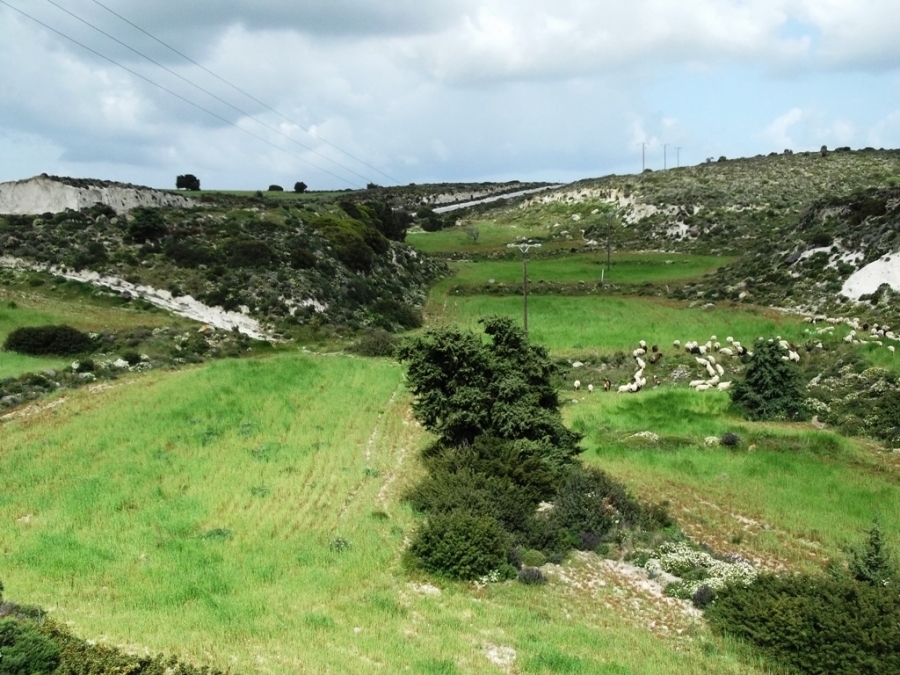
[
  {"x": 229, "y": 514},
  {"x": 589, "y": 325},
  {"x": 626, "y": 268},
  {"x": 789, "y": 495}
]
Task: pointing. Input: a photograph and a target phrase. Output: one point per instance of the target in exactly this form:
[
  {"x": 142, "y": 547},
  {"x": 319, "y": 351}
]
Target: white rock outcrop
[{"x": 48, "y": 194}]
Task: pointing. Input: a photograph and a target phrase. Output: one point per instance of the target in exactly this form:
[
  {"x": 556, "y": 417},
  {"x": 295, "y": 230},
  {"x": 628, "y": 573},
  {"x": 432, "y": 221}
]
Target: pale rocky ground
[
  {"x": 183, "y": 305},
  {"x": 885, "y": 270},
  {"x": 42, "y": 194}
]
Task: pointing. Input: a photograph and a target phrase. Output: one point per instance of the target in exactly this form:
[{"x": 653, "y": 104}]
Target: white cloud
[{"x": 778, "y": 130}]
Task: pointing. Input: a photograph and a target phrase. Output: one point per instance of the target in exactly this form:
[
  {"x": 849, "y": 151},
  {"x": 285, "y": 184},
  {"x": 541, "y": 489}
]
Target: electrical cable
[
  {"x": 205, "y": 91},
  {"x": 238, "y": 89},
  {"x": 176, "y": 95}
]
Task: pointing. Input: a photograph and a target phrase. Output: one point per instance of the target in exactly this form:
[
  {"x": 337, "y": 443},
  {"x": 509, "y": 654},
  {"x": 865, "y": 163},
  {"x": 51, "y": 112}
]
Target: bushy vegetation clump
[
  {"x": 772, "y": 388},
  {"x": 48, "y": 340},
  {"x": 502, "y": 450},
  {"x": 25, "y": 651},
  {"x": 846, "y": 622},
  {"x": 818, "y": 625}
]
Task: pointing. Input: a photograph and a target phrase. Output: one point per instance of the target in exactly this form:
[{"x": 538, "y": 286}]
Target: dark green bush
[
  {"x": 772, "y": 388},
  {"x": 531, "y": 575},
  {"x": 146, "y": 224},
  {"x": 375, "y": 342},
  {"x": 48, "y": 341},
  {"x": 24, "y": 651},
  {"x": 730, "y": 440},
  {"x": 703, "y": 596},
  {"x": 248, "y": 253},
  {"x": 460, "y": 545},
  {"x": 590, "y": 504},
  {"x": 818, "y": 625}
]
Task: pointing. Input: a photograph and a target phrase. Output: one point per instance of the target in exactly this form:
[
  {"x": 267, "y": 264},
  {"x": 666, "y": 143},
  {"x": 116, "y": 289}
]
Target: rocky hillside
[
  {"x": 806, "y": 226},
  {"x": 288, "y": 264},
  {"x": 54, "y": 194}
]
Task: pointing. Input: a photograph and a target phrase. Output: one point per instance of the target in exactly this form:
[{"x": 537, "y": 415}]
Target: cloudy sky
[{"x": 339, "y": 93}]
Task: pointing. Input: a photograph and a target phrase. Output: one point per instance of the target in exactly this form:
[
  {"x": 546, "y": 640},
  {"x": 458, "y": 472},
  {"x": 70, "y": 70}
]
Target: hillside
[
  {"x": 800, "y": 225},
  {"x": 286, "y": 264}
]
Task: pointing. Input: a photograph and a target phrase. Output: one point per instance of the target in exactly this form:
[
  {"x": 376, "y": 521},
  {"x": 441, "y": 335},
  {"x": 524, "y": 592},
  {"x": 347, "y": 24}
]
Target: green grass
[
  {"x": 626, "y": 268},
  {"x": 491, "y": 237},
  {"x": 195, "y": 513},
  {"x": 805, "y": 493},
  {"x": 586, "y": 325}
]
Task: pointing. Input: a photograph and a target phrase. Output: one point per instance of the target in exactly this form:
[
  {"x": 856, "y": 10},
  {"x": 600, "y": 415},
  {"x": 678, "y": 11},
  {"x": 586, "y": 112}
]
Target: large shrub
[
  {"x": 48, "y": 341},
  {"x": 465, "y": 388},
  {"x": 818, "y": 625},
  {"x": 772, "y": 388},
  {"x": 460, "y": 545},
  {"x": 590, "y": 505},
  {"x": 24, "y": 651}
]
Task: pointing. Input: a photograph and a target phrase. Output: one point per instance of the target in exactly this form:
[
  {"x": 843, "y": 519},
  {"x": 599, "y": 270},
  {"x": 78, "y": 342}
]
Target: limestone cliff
[{"x": 43, "y": 194}]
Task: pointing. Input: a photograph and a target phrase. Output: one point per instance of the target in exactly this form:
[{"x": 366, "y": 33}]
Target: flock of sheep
[{"x": 711, "y": 354}]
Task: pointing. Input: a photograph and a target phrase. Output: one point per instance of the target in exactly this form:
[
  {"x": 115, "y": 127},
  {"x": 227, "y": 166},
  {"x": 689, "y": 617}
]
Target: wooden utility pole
[{"x": 524, "y": 246}]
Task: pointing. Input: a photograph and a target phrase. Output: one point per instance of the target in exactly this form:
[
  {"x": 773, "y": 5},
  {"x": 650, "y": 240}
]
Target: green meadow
[{"x": 248, "y": 514}]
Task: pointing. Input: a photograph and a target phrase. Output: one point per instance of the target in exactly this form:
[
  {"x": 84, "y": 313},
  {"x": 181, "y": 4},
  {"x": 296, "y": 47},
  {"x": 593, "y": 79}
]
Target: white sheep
[
  {"x": 891, "y": 349},
  {"x": 703, "y": 387},
  {"x": 676, "y": 343},
  {"x": 696, "y": 383},
  {"x": 723, "y": 386},
  {"x": 727, "y": 351},
  {"x": 642, "y": 344},
  {"x": 638, "y": 352},
  {"x": 640, "y": 362},
  {"x": 710, "y": 370},
  {"x": 577, "y": 385},
  {"x": 701, "y": 361},
  {"x": 720, "y": 370},
  {"x": 590, "y": 389},
  {"x": 794, "y": 356}
]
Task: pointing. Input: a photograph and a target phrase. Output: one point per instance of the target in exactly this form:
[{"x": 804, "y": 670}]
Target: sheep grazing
[
  {"x": 640, "y": 362},
  {"x": 729, "y": 340},
  {"x": 607, "y": 385},
  {"x": 891, "y": 349},
  {"x": 710, "y": 370},
  {"x": 726, "y": 351},
  {"x": 656, "y": 356},
  {"x": 793, "y": 356},
  {"x": 577, "y": 385},
  {"x": 693, "y": 384},
  {"x": 654, "y": 348},
  {"x": 590, "y": 389},
  {"x": 676, "y": 343},
  {"x": 703, "y": 362},
  {"x": 625, "y": 388},
  {"x": 723, "y": 386},
  {"x": 720, "y": 370},
  {"x": 638, "y": 352},
  {"x": 703, "y": 387},
  {"x": 642, "y": 344}
]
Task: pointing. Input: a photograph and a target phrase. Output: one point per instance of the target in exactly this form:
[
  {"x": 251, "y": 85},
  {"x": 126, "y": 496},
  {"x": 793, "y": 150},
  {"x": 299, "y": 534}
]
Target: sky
[{"x": 342, "y": 93}]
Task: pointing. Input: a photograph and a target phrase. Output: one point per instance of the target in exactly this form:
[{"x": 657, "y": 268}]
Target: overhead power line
[
  {"x": 242, "y": 91},
  {"x": 205, "y": 91},
  {"x": 175, "y": 94}
]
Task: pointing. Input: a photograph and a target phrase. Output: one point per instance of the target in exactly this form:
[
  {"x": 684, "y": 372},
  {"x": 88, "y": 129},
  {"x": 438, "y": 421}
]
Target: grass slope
[{"x": 198, "y": 512}]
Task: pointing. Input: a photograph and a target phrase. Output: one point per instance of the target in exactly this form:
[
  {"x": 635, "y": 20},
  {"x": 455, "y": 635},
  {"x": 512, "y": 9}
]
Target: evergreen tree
[{"x": 772, "y": 388}]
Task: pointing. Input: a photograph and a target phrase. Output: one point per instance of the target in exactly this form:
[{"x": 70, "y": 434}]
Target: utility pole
[
  {"x": 643, "y": 155},
  {"x": 524, "y": 246},
  {"x": 665, "y": 145},
  {"x": 678, "y": 156}
]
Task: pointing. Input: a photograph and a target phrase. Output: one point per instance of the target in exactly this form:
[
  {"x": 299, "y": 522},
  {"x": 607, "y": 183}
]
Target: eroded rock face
[{"x": 43, "y": 194}]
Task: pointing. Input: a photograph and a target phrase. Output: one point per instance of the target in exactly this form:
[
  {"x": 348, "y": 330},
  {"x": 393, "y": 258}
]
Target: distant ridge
[{"x": 53, "y": 194}]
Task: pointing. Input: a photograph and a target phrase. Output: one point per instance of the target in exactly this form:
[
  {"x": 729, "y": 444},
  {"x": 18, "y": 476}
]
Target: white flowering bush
[{"x": 697, "y": 568}]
